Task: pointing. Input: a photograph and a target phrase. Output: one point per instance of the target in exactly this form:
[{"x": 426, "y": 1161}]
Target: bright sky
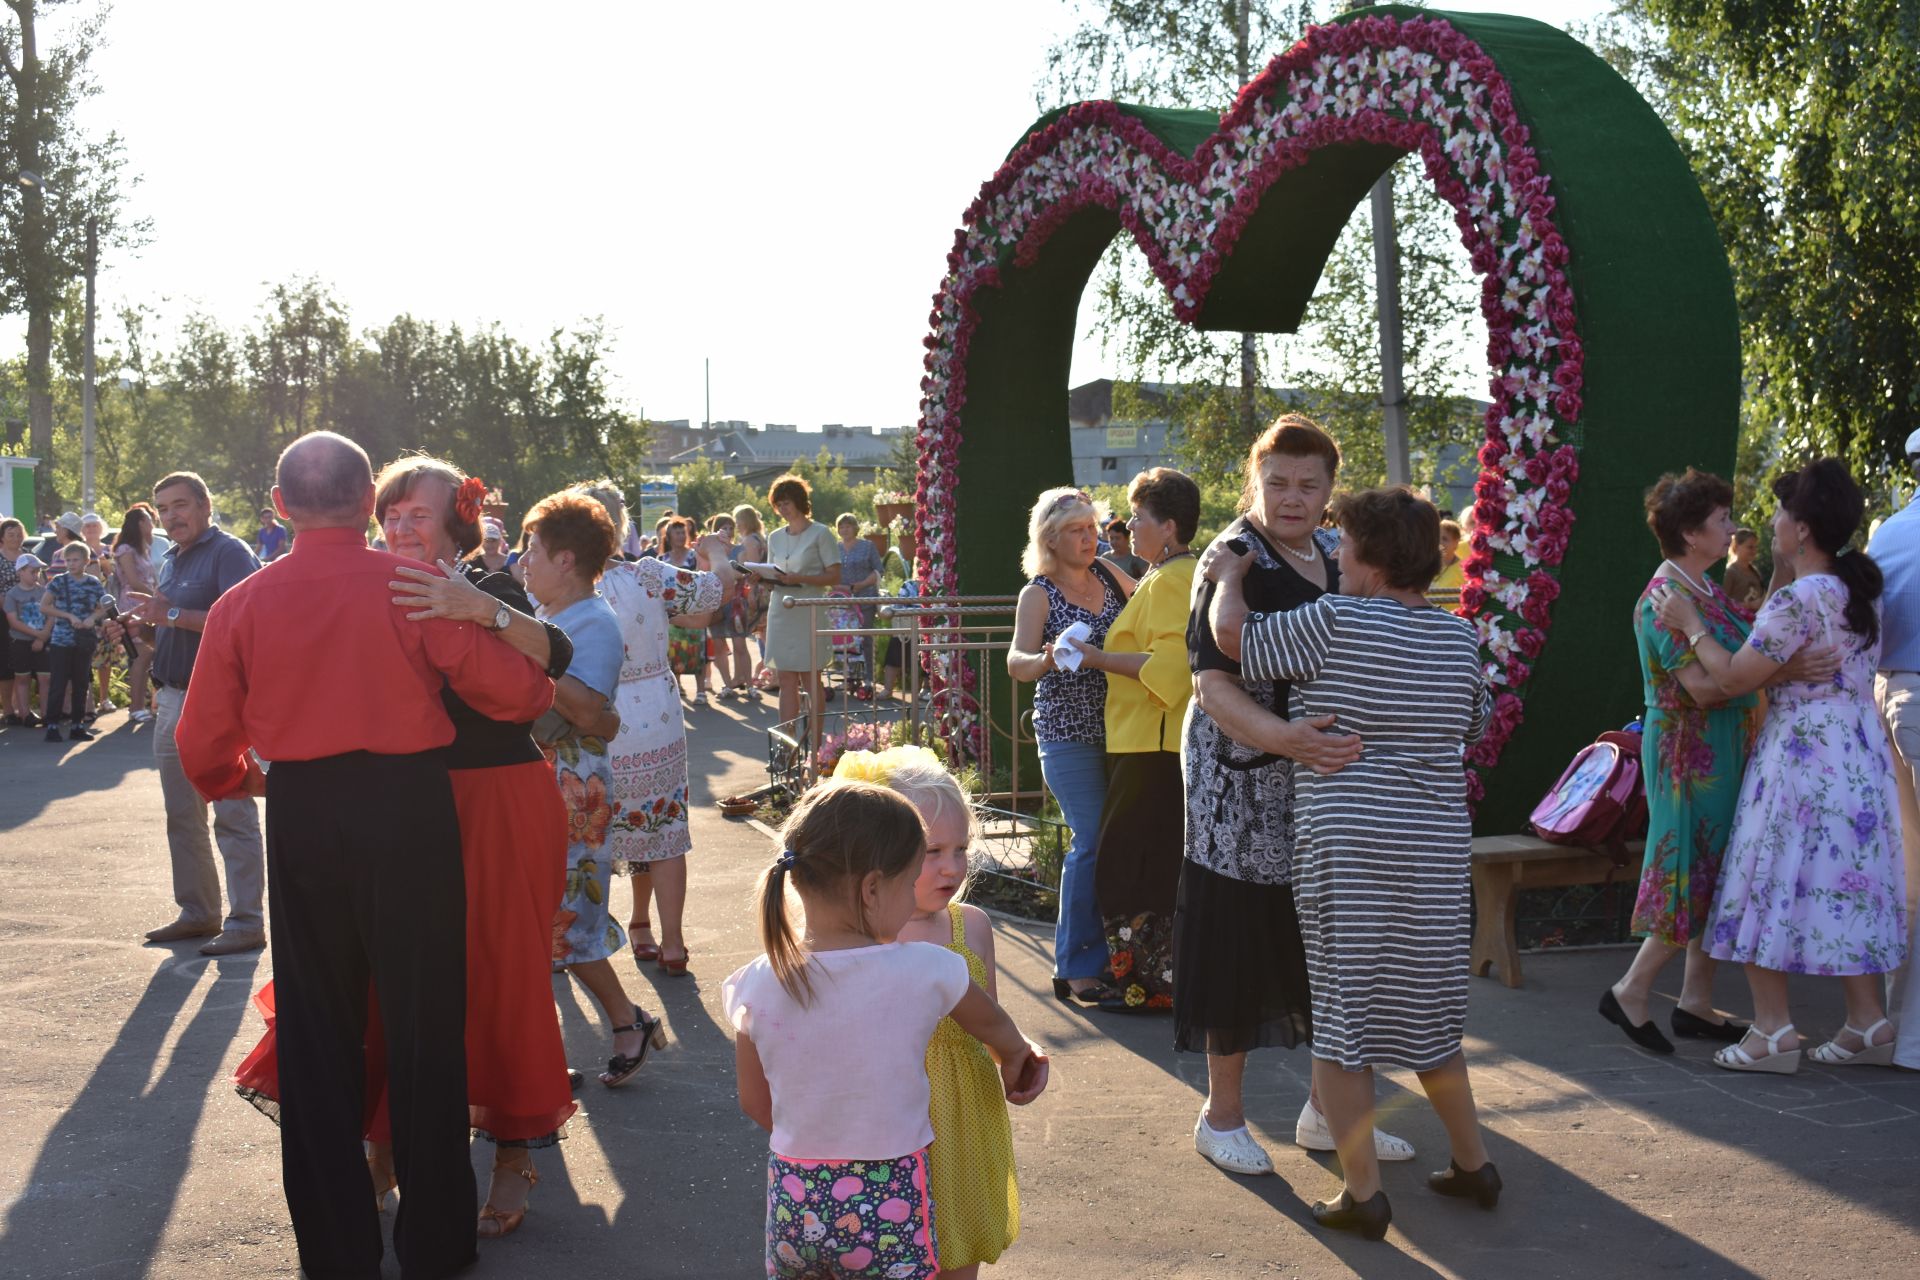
[{"x": 768, "y": 184}]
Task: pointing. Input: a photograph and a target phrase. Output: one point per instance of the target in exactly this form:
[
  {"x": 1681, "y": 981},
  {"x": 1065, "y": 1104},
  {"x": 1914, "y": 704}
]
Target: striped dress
[{"x": 1382, "y": 847}]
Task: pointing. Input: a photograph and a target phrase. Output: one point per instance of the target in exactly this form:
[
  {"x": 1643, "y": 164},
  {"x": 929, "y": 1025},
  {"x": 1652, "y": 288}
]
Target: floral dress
[
  {"x": 583, "y": 929},
  {"x": 1693, "y": 760},
  {"x": 649, "y": 821},
  {"x": 1814, "y": 880}
]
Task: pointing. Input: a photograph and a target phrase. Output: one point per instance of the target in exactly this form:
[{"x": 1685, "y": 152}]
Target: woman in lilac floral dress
[{"x": 1813, "y": 880}]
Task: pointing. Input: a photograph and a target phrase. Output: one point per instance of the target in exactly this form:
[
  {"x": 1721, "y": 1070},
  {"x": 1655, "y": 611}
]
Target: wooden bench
[{"x": 1504, "y": 865}]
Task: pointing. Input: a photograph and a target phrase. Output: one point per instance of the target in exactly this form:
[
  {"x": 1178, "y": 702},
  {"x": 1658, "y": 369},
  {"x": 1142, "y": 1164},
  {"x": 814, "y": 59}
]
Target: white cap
[
  {"x": 1913, "y": 444},
  {"x": 28, "y": 560}
]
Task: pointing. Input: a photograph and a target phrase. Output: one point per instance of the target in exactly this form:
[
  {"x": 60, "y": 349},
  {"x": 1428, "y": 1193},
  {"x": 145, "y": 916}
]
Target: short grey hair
[{"x": 608, "y": 494}]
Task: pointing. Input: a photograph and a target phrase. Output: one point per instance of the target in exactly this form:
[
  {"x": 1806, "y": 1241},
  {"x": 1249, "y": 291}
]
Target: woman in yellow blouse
[{"x": 1141, "y": 825}]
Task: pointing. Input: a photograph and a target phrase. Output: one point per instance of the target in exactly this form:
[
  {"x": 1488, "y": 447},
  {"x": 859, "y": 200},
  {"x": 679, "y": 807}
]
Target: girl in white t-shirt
[{"x": 833, "y": 1029}]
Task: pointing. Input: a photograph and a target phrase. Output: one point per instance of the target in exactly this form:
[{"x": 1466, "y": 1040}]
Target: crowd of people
[{"x": 1256, "y": 745}]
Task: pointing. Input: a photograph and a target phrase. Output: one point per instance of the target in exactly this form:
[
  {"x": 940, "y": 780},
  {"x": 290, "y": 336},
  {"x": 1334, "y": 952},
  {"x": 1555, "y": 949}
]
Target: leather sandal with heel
[
  {"x": 495, "y": 1223},
  {"x": 643, "y": 952},
  {"x": 676, "y": 968},
  {"x": 1773, "y": 1062},
  {"x": 621, "y": 1068},
  {"x": 1369, "y": 1217},
  {"x": 1482, "y": 1185},
  {"x": 1869, "y": 1054}
]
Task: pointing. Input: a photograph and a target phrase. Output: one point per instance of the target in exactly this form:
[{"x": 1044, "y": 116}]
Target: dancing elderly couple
[{"x": 393, "y": 736}]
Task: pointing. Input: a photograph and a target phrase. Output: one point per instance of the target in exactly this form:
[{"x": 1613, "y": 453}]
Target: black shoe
[
  {"x": 1062, "y": 991},
  {"x": 53, "y": 734},
  {"x": 1368, "y": 1217},
  {"x": 80, "y": 733},
  {"x": 1483, "y": 1184},
  {"x": 1689, "y": 1027},
  {"x": 1646, "y": 1035}
]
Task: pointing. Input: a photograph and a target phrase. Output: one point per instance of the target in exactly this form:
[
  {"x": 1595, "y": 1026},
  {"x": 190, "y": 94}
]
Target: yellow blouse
[{"x": 1146, "y": 714}]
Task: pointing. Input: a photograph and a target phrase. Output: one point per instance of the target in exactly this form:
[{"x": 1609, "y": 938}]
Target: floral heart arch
[{"x": 1612, "y": 344}]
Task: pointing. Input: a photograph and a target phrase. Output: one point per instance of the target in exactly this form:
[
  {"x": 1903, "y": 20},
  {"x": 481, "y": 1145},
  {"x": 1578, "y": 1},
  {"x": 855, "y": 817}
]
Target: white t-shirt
[{"x": 849, "y": 1070}]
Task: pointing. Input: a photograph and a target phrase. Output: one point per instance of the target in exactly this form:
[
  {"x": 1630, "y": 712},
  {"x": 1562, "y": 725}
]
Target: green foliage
[
  {"x": 225, "y": 401},
  {"x": 833, "y": 493},
  {"x": 705, "y": 490},
  {"x": 1802, "y": 122}
]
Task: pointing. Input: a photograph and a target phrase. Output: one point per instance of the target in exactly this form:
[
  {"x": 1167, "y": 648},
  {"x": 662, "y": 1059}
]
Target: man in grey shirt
[{"x": 204, "y": 563}]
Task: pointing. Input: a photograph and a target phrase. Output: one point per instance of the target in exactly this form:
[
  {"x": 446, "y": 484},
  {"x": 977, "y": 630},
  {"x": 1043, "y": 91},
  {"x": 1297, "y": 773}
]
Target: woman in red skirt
[{"x": 513, "y": 843}]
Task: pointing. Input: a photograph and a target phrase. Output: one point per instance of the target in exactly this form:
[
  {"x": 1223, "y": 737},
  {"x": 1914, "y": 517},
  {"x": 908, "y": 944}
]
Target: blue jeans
[{"x": 1076, "y": 774}]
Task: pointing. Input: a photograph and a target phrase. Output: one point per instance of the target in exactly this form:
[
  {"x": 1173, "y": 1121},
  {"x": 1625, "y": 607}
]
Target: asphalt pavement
[{"x": 129, "y": 1154}]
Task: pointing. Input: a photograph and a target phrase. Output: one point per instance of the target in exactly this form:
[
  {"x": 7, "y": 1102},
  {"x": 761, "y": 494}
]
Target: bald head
[{"x": 324, "y": 481}]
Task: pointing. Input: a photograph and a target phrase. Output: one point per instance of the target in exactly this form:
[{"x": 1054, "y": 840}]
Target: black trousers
[
  {"x": 69, "y": 668},
  {"x": 365, "y": 884}
]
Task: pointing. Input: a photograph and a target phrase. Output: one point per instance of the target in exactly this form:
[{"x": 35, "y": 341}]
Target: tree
[
  {"x": 703, "y": 489},
  {"x": 1188, "y": 53},
  {"x": 63, "y": 178},
  {"x": 1802, "y": 122}
]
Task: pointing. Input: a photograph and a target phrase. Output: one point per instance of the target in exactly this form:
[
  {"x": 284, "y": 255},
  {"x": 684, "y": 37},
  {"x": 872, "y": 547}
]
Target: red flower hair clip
[{"x": 467, "y": 500}]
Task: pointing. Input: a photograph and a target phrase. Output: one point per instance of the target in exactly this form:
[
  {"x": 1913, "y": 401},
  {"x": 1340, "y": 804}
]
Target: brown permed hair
[
  {"x": 1296, "y": 436},
  {"x": 396, "y": 482},
  {"x": 1396, "y": 531},
  {"x": 572, "y": 521},
  {"x": 1169, "y": 495},
  {"x": 1679, "y": 504},
  {"x": 794, "y": 489},
  {"x": 838, "y": 834}
]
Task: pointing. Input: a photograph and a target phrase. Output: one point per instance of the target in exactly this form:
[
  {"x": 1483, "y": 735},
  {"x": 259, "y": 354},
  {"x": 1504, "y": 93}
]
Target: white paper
[
  {"x": 758, "y": 569},
  {"x": 1065, "y": 656}
]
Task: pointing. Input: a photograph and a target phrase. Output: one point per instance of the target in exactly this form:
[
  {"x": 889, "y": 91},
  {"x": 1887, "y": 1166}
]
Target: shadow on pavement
[
  {"x": 105, "y": 1180},
  {"x": 39, "y": 772}
]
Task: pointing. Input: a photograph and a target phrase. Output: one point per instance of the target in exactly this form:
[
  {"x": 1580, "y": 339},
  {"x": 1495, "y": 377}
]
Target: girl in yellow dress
[{"x": 976, "y": 1201}]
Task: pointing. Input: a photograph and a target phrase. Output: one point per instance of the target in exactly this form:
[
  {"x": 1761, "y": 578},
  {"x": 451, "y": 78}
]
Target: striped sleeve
[
  {"x": 1287, "y": 646},
  {"x": 1482, "y": 708}
]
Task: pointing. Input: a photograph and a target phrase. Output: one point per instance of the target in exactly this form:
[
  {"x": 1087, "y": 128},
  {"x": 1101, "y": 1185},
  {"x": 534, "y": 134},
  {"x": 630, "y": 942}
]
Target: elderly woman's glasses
[{"x": 1067, "y": 500}]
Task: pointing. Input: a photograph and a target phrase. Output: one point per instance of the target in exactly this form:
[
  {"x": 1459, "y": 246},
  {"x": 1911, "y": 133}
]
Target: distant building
[{"x": 758, "y": 454}]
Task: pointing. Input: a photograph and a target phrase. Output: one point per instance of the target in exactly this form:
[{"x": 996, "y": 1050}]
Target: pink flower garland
[{"x": 1419, "y": 85}]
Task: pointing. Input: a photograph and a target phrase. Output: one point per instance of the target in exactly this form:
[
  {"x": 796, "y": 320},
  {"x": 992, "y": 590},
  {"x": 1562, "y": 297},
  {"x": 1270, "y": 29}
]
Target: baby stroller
[{"x": 849, "y": 650}]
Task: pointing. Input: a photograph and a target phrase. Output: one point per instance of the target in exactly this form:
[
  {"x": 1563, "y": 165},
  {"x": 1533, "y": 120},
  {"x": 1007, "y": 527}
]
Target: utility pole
[
  {"x": 86, "y": 370},
  {"x": 1249, "y": 351},
  {"x": 706, "y": 423},
  {"x": 1386, "y": 276}
]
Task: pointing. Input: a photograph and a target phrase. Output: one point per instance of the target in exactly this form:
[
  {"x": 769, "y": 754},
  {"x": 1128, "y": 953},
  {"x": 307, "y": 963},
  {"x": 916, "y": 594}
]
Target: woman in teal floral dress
[
  {"x": 1692, "y": 756},
  {"x": 1814, "y": 880},
  {"x": 569, "y": 539}
]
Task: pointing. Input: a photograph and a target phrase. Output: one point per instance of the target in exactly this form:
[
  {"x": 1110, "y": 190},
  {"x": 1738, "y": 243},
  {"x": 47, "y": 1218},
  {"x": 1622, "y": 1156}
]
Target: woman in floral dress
[
  {"x": 569, "y": 539},
  {"x": 1693, "y": 753},
  {"x": 1814, "y": 880},
  {"x": 647, "y": 830}
]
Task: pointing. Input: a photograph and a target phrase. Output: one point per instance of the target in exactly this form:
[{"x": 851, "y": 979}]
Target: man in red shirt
[{"x": 310, "y": 665}]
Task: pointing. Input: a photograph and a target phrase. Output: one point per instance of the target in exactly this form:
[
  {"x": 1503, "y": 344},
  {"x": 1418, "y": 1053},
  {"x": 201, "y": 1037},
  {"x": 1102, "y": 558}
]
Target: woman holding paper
[{"x": 1073, "y": 595}]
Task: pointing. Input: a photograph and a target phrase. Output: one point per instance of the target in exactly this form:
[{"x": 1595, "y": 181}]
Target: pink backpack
[{"x": 1599, "y": 800}]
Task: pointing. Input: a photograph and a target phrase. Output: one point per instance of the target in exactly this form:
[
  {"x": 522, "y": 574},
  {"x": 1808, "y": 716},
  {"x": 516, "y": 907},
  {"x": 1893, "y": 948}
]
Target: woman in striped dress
[{"x": 1382, "y": 846}]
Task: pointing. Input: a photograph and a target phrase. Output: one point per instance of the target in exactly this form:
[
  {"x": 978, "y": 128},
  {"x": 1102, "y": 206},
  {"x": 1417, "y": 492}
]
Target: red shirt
[{"x": 311, "y": 658}]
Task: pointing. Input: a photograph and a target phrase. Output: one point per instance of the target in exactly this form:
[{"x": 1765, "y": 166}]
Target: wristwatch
[
  {"x": 501, "y": 618},
  {"x": 173, "y": 616},
  {"x": 1694, "y": 638}
]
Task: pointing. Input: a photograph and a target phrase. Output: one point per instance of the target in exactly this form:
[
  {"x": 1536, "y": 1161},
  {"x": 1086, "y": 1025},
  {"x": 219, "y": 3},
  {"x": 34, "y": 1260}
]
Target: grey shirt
[{"x": 193, "y": 576}]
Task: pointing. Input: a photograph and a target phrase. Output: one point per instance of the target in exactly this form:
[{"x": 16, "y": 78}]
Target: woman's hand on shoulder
[
  {"x": 1675, "y": 608},
  {"x": 1220, "y": 562},
  {"x": 446, "y": 594}
]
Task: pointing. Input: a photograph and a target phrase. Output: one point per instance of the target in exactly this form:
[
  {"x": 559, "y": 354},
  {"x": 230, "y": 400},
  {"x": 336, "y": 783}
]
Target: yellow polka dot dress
[{"x": 976, "y": 1202}]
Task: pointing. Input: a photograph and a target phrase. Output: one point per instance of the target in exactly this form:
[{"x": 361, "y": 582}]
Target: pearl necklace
[
  {"x": 1311, "y": 554},
  {"x": 1703, "y": 592}
]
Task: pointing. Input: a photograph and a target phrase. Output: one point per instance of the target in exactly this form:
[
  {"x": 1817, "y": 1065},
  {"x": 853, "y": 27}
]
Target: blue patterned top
[
  {"x": 78, "y": 596},
  {"x": 1071, "y": 706}
]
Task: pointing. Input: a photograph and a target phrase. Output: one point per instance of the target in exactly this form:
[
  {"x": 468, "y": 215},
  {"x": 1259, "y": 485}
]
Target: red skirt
[{"x": 513, "y": 828}]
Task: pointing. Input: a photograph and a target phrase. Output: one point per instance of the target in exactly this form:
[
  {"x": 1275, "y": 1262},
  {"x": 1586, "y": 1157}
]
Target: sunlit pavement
[{"x": 130, "y": 1155}]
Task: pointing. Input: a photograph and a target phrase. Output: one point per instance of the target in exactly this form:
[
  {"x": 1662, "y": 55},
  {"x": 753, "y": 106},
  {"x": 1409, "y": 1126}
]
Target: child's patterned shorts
[{"x": 839, "y": 1219}]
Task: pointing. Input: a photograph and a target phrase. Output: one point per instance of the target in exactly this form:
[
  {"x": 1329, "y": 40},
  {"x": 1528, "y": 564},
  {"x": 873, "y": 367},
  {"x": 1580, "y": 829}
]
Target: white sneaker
[
  {"x": 104, "y": 705},
  {"x": 141, "y": 716},
  {"x": 1311, "y": 1132},
  {"x": 1235, "y": 1151}
]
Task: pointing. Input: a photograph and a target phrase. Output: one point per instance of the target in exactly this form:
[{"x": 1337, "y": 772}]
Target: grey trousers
[
  {"x": 236, "y": 825},
  {"x": 1899, "y": 696}
]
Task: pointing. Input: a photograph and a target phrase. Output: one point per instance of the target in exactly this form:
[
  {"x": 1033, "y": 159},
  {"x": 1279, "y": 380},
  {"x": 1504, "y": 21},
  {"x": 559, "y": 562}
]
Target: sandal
[
  {"x": 643, "y": 952},
  {"x": 676, "y": 968},
  {"x": 1869, "y": 1054},
  {"x": 621, "y": 1068},
  {"x": 386, "y": 1194},
  {"x": 505, "y": 1224},
  {"x": 1773, "y": 1062}
]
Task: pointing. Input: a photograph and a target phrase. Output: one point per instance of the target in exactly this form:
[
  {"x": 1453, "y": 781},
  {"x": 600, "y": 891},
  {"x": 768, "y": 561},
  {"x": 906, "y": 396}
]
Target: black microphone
[{"x": 126, "y": 633}]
